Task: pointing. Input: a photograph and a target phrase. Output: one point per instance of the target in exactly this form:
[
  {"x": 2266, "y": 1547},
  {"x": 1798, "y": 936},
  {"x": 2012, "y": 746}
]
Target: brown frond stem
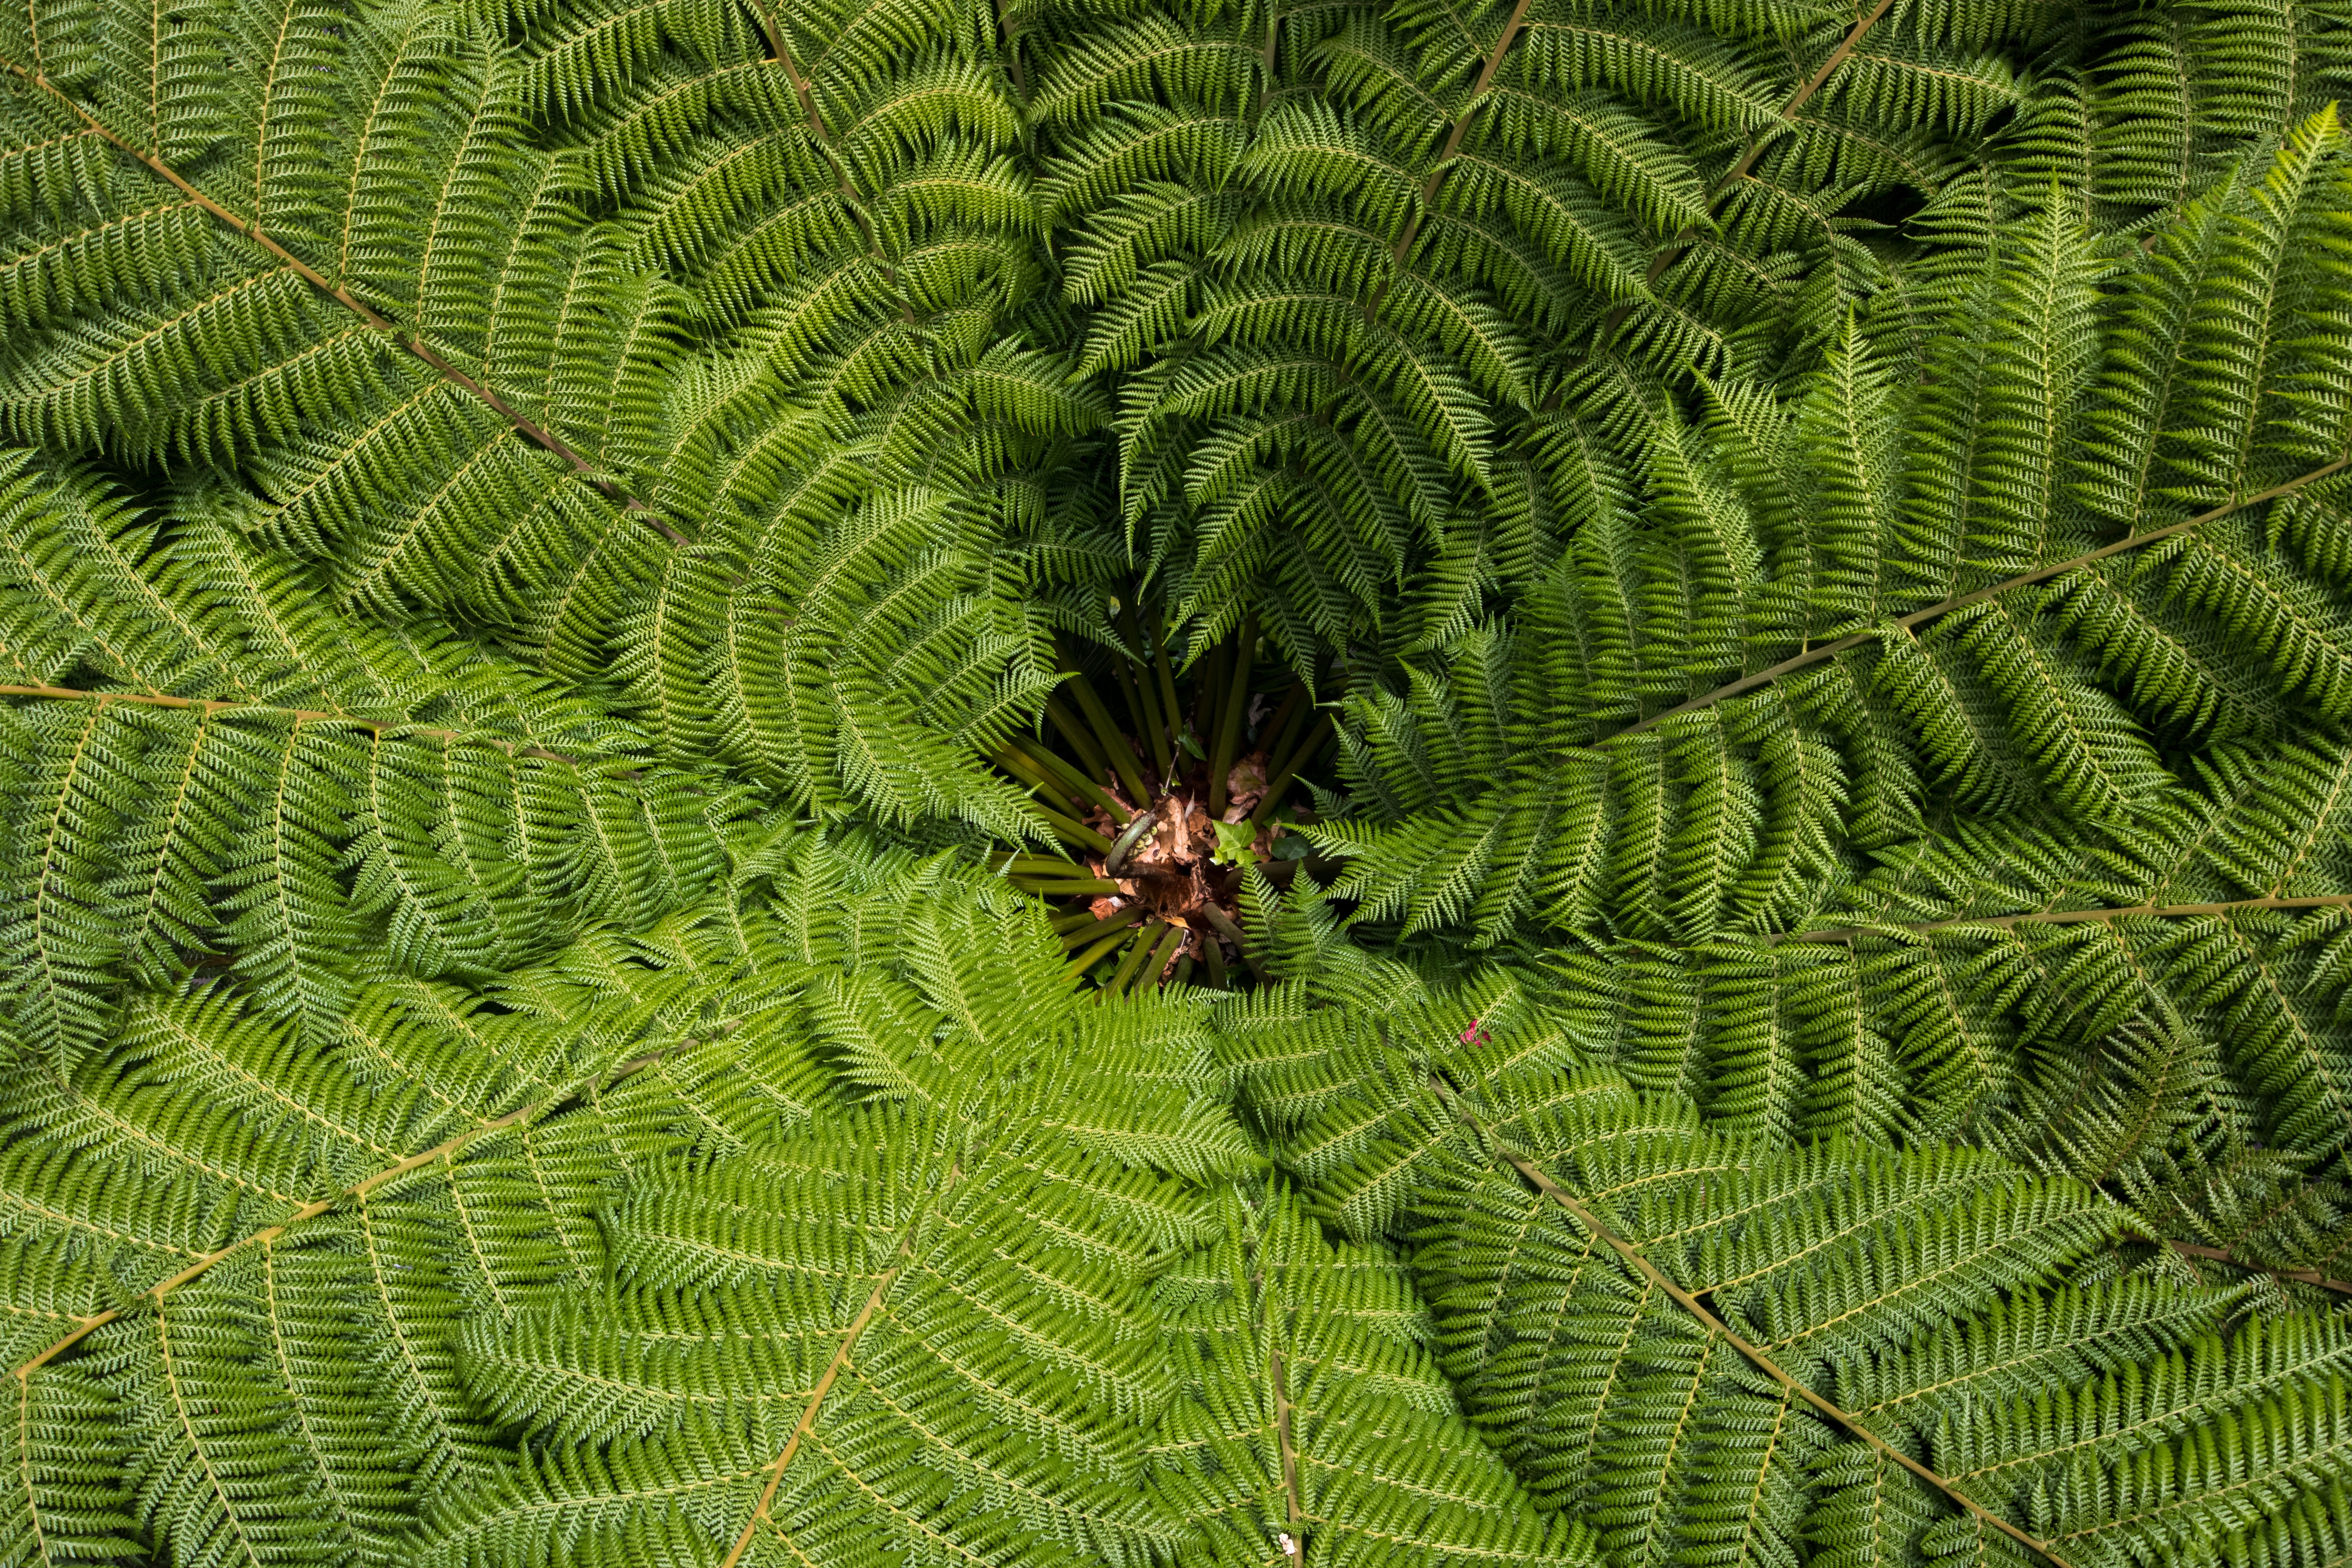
[
  {"x": 1634, "y": 1258},
  {"x": 1803, "y": 95},
  {"x": 447, "y": 1149},
  {"x": 1289, "y": 1447},
  {"x": 211, "y": 705},
  {"x": 2066, "y": 917},
  {"x": 827, "y": 145},
  {"x": 1512, "y": 27},
  {"x": 414, "y": 346},
  {"x": 1917, "y": 618},
  {"x": 1671, "y": 251},
  {"x": 2223, "y": 1255},
  {"x": 1285, "y": 1443},
  {"x": 833, "y": 1370}
]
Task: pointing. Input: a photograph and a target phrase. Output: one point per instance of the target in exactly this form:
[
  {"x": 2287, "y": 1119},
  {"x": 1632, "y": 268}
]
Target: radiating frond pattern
[{"x": 1747, "y": 602}]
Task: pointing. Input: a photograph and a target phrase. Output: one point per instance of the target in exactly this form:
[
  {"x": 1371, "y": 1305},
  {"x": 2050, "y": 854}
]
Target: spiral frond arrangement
[{"x": 1192, "y": 782}]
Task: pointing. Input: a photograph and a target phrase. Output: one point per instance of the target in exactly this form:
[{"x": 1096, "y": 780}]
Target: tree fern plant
[{"x": 1197, "y": 783}]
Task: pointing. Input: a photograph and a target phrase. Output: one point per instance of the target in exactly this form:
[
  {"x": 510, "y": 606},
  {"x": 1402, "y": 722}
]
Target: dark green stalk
[
  {"x": 1101, "y": 733},
  {"x": 1032, "y": 773},
  {"x": 1122, "y": 670},
  {"x": 1094, "y": 955},
  {"x": 1233, "y": 933},
  {"x": 1035, "y": 865},
  {"x": 1183, "y": 975},
  {"x": 1114, "y": 745},
  {"x": 1135, "y": 956},
  {"x": 1282, "y": 726},
  {"x": 1211, "y": 693},
  {"x": 1062, "y": 770},
  {"x": 1078, "y": 737},
  {"x": 1153, "y": 718},
  {"x": 1066, "y": 828},
  {"x": 1149, "y": 974},
  {"x": 1060, "y": 888},
  {"x": 1229, "y": 721},
  {"x": 1280, "y": 781},
  {"x": 1075, "y": 833},
  {"x": 1103, "y": 927},
  {"x": 1214, "y": 954},
  {"x": 1167, "y": 694},
  {"x": 1072, "y": 920}
]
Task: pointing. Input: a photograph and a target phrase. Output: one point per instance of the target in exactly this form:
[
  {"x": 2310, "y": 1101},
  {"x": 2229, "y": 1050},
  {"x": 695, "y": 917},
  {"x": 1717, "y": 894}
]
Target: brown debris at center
[{"x": 1173, "y": 872}]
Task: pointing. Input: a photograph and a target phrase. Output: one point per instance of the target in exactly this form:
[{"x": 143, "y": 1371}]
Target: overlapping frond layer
[
  {"x": 1703, "y": 1341},
  {"x": 247, "y": 1248},
  {"x": 207, "y": 764},
  {"x": 1947, "y": 750},
  {"x": 471, "y": 338},
  {"x": 1827, "y": 1262},
  {"x": 908, "y": 1333},
  {"x": 1822, "y": 531},
  {"x": 256, "y": 1249},
  {"x": 1313, "y": 1422},
  {"x": 1361, "y": 269}
]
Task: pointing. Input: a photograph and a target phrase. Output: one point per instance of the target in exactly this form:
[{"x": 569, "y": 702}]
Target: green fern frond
[{"x": 654, "y": 663}]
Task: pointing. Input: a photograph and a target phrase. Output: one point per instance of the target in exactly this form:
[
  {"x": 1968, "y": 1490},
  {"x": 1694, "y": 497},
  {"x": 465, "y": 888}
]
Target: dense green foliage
[{"x": 1825, "y": 539}]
